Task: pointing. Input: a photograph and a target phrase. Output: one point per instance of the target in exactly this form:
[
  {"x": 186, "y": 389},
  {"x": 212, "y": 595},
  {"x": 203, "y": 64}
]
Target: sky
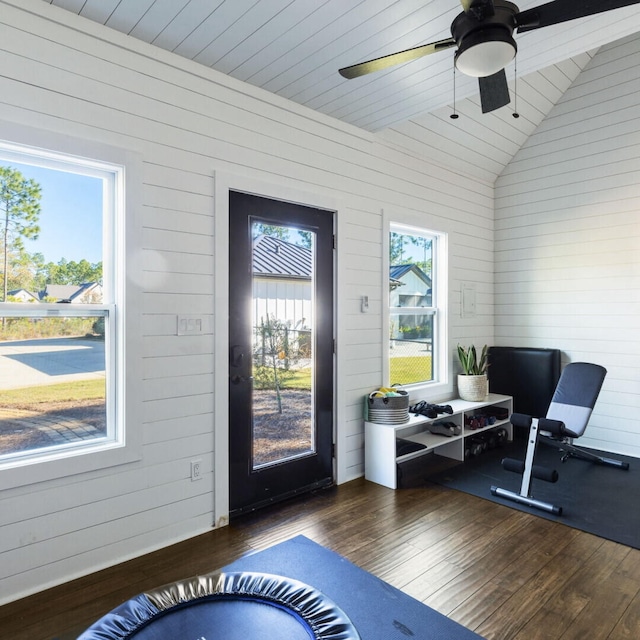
[
  {"x": 70, "y": 217},
  {"x": 412, "y": 252}
]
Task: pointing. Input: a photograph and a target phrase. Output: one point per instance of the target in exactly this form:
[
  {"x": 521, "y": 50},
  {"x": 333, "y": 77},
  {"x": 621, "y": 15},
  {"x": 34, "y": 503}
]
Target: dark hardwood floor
[{"x": 503, "y": 573}]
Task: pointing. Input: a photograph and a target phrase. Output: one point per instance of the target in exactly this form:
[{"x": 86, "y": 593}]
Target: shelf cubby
[{"x": 382, "y": 459}]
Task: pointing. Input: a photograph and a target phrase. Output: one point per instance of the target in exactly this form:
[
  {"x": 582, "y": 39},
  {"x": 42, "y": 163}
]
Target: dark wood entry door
[{"x": 280, "y": 350}]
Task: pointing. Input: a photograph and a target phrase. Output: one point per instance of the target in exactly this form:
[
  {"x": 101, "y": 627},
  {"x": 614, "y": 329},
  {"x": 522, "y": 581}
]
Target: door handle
[{"x": 236, "y": 379}]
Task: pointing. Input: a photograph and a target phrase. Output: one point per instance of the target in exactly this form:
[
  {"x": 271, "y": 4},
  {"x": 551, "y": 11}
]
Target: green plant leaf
[{"x": 468, "y": 357}]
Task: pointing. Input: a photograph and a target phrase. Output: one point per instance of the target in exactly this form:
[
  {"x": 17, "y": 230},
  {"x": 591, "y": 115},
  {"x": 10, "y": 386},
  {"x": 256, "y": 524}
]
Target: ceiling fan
[{"x": 483, "y": 33}]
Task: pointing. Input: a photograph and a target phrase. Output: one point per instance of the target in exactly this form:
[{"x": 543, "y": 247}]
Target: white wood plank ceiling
[{"x": 294, "y": 48}]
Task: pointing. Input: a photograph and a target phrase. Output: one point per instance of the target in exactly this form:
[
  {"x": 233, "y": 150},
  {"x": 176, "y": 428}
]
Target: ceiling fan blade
[
  {"x": 494, "y": 91},
  {"x": 564, "y": 10},
  {"x": 361, "y": 69}
]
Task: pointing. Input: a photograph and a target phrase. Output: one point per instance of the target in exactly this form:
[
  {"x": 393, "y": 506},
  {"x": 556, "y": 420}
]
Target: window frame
[
  {"x": 120, "y": 307},
  {"x": 441, "y": 383}
]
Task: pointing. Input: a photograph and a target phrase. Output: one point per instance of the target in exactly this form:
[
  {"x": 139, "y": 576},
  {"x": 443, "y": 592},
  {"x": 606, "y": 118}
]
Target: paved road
[{"x": 25, "y": 363}]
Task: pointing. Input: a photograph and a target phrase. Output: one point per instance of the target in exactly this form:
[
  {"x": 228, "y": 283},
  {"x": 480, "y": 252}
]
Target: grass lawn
[
  {"x": 293, "y": 379},
  {"x": 78, "y": 391},
  {"x": 409, "y": 369},
  {"x": 403, "y": 370},
  {"x": 65, "y": 406},
  {"x": 300, "y": 379}
]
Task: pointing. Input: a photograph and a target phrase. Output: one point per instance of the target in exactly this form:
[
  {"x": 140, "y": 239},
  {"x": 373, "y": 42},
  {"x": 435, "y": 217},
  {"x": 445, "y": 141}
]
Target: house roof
[
  {"x": 66, "y": 292},
  {"x": 396, "y": 272},
  {"x": 24, "y": 292},
  {"x": 273, "y": 257}
]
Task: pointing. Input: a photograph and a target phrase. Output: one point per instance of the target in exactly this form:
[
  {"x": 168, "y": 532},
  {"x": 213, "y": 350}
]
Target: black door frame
[{"x": 322, "y": 474}]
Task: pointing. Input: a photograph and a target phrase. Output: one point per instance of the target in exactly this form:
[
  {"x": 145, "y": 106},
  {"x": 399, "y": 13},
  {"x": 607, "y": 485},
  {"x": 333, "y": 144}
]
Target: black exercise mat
[
  {"x": 594, "y": 498},
  {"x": 377, "y": 610}
]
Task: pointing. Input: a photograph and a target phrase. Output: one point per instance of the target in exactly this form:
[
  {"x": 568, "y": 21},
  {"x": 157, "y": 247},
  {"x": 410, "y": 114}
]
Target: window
[
  {"x": 61, "y": 273},
  {"x": 417, "y": 293}
]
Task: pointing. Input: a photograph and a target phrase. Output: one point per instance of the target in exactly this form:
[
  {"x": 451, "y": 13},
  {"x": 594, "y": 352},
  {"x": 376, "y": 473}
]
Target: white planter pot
[{"x": 473, "y": 388}]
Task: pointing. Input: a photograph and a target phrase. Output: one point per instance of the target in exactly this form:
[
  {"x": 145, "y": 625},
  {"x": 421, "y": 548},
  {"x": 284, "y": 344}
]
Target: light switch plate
[{"x": 190, "y": 325}]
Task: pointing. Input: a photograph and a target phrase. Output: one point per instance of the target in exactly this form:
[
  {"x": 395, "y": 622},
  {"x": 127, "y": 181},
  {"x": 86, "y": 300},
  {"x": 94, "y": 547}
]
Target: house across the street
[{"x": 89, "y": 292}]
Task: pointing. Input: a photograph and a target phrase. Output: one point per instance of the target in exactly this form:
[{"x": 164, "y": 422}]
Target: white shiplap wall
[
  {"x": 194, "y": 132},
  {"x": 568, "y": 238},
  {"x": 482, "y": 144}
]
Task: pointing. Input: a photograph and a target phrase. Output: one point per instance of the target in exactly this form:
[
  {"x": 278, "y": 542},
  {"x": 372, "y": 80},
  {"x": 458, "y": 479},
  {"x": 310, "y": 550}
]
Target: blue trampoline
[{"x": 234, "y": 606}]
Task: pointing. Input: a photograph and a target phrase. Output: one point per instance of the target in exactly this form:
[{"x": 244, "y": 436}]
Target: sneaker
[{"x": 445, "y": 429}]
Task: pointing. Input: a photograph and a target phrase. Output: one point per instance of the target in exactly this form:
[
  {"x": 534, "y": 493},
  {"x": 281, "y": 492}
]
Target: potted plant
[{"x": 472, "y": 382}]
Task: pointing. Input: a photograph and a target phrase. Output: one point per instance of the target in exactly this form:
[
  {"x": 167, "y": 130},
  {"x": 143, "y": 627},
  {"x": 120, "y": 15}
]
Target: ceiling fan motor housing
[{"x": 485, "y": 43}]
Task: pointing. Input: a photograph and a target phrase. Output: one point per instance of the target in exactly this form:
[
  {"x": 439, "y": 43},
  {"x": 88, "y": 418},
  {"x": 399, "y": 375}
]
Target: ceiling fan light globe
[{"x": 485, "y": 58}]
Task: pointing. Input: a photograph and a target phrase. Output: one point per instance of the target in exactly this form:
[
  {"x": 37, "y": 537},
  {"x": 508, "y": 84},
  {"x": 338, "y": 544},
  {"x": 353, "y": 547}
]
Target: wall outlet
[{"x": 196, "y": 470}]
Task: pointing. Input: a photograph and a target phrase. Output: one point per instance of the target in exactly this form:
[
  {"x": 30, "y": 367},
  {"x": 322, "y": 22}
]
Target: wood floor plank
[
  {"x": 542, "y": 540},
  {"x": 490, "y": 566},
  {"x": 397, "y": 546},
  {"x": 629, "y": 624},
  {"x": 468, "y": 568},
  {"x": 567, "y": 609},
  {"x": 482, "y": 605},
  {"x": 494, "y": 541},
  {"x": 606, "y": 602},
  {"x": 503, "y": 573},
  {"x": 519, "y": 616},
  {"x": 426, "y": 559}
]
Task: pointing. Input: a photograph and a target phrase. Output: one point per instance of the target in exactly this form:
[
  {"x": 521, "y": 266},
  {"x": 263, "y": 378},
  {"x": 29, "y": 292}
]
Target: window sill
[{"x": 429, "y": 391}]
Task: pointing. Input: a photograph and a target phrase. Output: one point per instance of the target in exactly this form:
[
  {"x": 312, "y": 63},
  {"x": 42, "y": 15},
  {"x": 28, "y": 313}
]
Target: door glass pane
[{"x": 283, "y": 341}]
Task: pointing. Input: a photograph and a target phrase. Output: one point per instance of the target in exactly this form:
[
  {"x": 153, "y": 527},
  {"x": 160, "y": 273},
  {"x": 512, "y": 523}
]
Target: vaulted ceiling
[{"x": 294, "y": 48}]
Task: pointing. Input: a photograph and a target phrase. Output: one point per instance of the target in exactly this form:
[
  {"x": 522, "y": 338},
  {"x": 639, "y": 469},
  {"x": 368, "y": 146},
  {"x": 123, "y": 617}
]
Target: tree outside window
[{"x": 57, "y": 305}]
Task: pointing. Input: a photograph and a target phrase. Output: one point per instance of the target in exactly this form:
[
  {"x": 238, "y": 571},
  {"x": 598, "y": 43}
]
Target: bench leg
[{"x": 524, "y": 496}]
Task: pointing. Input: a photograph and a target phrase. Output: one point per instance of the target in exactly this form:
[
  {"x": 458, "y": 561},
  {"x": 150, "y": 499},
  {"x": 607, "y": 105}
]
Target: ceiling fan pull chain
[
  {"x": 454, "y": 115},
  {"x": 515, "y": 113}
]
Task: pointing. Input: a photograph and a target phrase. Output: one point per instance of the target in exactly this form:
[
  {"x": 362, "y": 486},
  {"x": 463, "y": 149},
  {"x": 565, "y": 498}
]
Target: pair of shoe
[
  {"x": 423, "y": 408},
  {"x": 445, "y": 429}
]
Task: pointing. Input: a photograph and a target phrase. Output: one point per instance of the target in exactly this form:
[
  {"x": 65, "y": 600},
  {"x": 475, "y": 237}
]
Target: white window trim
[
  {"x": 443, "y": 387},
  {"x": 126, "y": 346}
]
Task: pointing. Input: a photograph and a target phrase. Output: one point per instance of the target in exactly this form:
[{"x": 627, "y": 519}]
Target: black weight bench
[{"x": 566, "y": 419}]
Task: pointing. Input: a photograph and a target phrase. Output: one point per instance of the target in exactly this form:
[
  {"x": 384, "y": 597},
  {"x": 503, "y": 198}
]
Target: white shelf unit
[{"x": 380, "y": 460}]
